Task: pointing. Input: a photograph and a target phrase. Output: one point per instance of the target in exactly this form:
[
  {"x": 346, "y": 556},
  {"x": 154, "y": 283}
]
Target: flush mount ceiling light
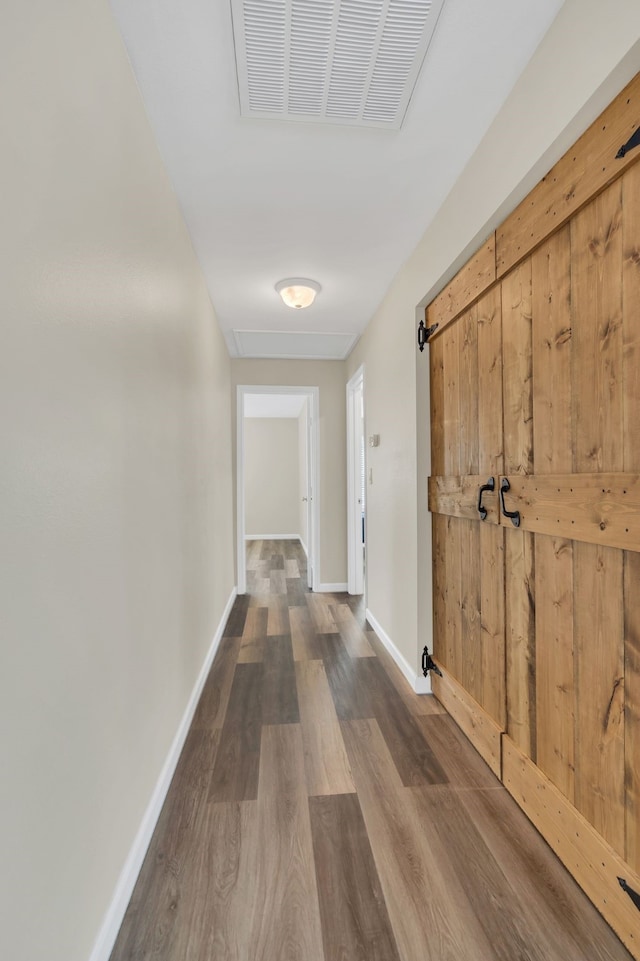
[{"x": 298, "y": 291}]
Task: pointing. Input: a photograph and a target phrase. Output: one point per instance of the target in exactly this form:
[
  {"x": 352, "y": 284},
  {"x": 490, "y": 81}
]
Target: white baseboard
[
  {"x": 272, "y": 537},
  {"x": 128, "y": 876},
  {"x": 338, "y": 588},
  {"x": 420, "y": 684},
  {"x": 303, "y": 546}
]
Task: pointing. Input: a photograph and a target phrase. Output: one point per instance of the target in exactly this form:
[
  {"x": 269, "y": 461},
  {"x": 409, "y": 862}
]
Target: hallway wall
[
  {"x": 586, "y": 58},
  {"x": 271, "y": 481},
  {"x": 116, "y": 501}
]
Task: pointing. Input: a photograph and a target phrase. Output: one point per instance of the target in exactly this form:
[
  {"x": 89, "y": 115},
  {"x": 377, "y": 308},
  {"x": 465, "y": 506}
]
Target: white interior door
[{"x": 356, "y": 493}]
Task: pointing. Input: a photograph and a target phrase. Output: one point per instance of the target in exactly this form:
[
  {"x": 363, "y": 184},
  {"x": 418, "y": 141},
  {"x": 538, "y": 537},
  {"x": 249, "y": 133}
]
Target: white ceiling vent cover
[{"x": 331, "y": 61}]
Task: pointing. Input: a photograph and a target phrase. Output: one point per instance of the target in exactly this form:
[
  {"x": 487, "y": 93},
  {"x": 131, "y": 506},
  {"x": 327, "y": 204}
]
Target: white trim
[
  {"x": 355, "y": 574},
  {"x": 108, "y": 933},
  {"x": 420, "y": 684},
  {"x": 303, "y": 546},
  {"x": 339, "y": 587},
  {"x": 313, "y": 409},
  {"x": 272, "y": 537}
]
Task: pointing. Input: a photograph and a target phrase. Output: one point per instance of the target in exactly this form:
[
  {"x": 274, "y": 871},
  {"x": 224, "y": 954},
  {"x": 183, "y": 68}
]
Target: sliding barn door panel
[
  {"x": 467, "y": 452},
  {"x": 537, "y": 607}
]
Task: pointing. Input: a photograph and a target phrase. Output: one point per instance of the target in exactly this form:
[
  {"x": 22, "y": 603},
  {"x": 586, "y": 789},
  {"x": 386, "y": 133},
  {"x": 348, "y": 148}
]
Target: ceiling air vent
[{"x": 331, "y": 61}]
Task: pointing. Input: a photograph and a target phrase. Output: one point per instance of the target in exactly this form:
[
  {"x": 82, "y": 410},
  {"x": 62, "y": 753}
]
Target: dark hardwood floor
[{"x": 322, "y": 811}]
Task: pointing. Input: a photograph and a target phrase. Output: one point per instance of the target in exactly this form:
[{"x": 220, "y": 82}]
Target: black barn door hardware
[
  {"x": 424, "y": 333},
  {"x": 632, "y": 142},
  {"x": 489, "y": 486},
  {"x": 428, "y": 664},
  {"x": 635, "y": 897},
  {"x": 514, "y": 516}
]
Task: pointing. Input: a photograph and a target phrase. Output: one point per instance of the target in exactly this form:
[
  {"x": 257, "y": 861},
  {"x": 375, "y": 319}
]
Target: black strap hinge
[
  {"x": 633, "y": 141},
  {"x": 424, "y": 333},
  {"x": 428, "y": 664},
  {"x": 635, "y": 897}
]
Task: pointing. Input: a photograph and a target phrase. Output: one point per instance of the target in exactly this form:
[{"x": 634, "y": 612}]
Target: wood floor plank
[
  {"x": 326, "y": 765},
  {"x": 253, "y": 554},
  {"x": 355, "y": 921},
  {"x": 195, "y": 765},
  {"x": 319, "y": 606},
  {"x": 279, "y": 692},
  {"x": 261, "y": 593},
  {"x": 278, "y": 619},
  {"x": 461, "y": 763},
  {"x": 219, "y": 884},
  {"x": 302, "y": 634},
  {"x": 235, "y": 622},
  {"x": 354, "y": 638},
  {"x": 429, "y": 913},
  {"x": 502, "y": 916},
  {"x": 283, "y": 915},
  {"x": 291, "y": 568},
  {"x": 235, "y": 773},
  {"x": 212, "y": 706},
  {"x": 296, "y": 592},
  {"x": 253, "y": 637},
  {"x": 563, "y": 920},
  {"x": 278, "y": 582}
]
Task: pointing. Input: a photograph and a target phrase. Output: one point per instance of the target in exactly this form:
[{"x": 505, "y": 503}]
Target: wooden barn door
[{"x": 537, "y": 626}]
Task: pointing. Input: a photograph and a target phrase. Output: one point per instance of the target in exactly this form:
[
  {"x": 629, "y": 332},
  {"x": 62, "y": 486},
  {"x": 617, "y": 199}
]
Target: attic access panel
[{"x": 352, "y": 62}]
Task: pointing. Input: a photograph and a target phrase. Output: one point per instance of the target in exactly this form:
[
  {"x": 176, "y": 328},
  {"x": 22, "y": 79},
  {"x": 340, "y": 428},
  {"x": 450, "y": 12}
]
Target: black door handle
[
  {"x": 489, "y": 486},
  {"x": 513, "y": 515}
]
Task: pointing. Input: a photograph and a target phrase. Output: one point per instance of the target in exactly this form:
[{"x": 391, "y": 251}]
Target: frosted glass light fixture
[{"x": 298, "y": 292}]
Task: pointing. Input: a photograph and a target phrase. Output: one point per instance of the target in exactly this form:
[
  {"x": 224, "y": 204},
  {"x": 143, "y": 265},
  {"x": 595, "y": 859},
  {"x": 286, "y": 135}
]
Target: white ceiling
[{"x": 345, "y": 206}]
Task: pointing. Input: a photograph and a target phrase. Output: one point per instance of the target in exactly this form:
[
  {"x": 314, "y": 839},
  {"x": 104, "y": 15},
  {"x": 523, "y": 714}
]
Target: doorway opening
[
  {"x": 356, "y": 484},
  {"x": 277, "y": 490}
]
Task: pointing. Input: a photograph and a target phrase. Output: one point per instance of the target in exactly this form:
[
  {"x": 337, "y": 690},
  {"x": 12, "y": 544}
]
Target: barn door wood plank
[
  {"x": 599, "y": 687},
  {"x": 596, "y": 297},
  {"x": 519, "y": 549},
  {"x": 555, "y": 723},
  {"x": 551, "y": 347},
  {"x": 468, "y": 391},
  {"x": 489, "y": 399},
  {"x": 439, "y": 534},
  {"x": 584, "y": 170},
  {"x": 492, "y": 623},
  {"x": 631, "y": 376},
  {"x": 632, "y": 708},
  {"x": 451, "y": 419},
  {"x": 436, "y": 388},
  {"x": 458, "y": 497},
  {"x": 520, "y": 640},
  {"x": 596, "y": 508},
  {"x": 470, "y": 633},
  {"x": 471, "y": 280}
]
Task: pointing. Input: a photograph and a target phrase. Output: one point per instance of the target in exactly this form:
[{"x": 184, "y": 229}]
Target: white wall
[
  {"x": 329, "y": 377},
  {"x": 271, "y": 477},
  {"x": 588, "y": 55},
  {"x": 115, "y": 487},
  {"x": 303, "y": 474}
]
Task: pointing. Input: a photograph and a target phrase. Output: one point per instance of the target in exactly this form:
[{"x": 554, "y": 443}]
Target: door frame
[
  {"x": 356, "y": 580},
  {"x": 313, "y": 505}
]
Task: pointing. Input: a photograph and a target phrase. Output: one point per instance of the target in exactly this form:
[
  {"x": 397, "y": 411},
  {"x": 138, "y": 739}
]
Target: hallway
[{"x": 321, "y": 810}]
